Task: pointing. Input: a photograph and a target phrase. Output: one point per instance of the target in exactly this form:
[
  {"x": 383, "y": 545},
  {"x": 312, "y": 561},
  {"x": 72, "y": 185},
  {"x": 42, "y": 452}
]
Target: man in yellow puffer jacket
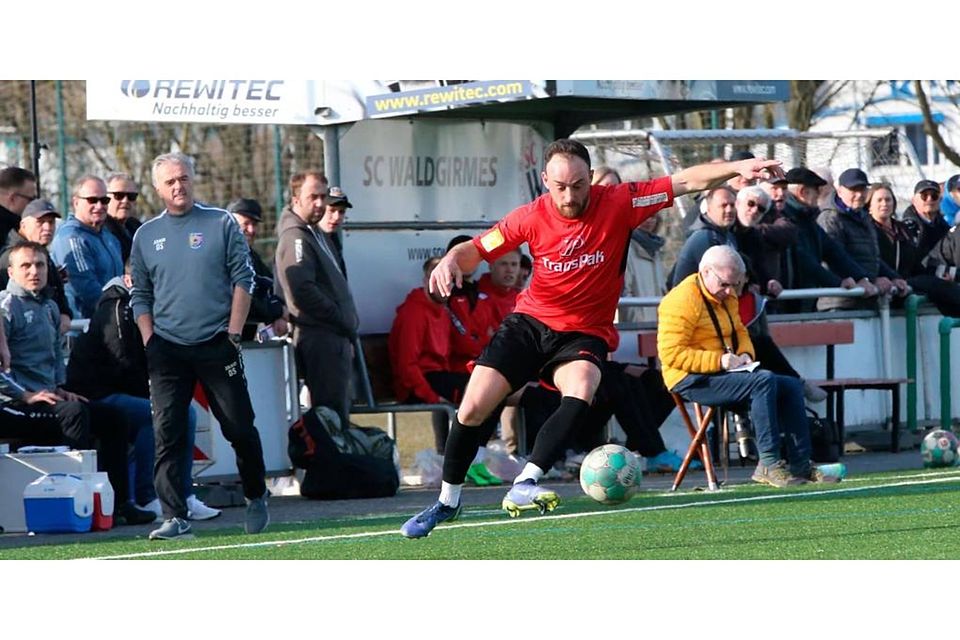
[{"x": 701, "y": 340}]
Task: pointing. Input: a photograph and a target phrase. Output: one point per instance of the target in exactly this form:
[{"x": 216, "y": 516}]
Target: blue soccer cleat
[
  {"x": 527, "y": 495},
  {"x": 420, "y": 525}
]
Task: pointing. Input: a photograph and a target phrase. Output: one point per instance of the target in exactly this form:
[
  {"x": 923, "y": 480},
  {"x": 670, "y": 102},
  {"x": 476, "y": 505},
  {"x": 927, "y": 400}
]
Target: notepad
[{"x": 746, "y": 367}]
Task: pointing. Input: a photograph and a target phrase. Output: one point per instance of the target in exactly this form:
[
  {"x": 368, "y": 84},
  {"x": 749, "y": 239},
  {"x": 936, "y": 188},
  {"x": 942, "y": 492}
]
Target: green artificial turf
[{"x": 884, "y": 516}]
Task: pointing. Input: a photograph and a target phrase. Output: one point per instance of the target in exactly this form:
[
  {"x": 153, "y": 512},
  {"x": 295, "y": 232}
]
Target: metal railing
[{"x": 883, "y": 304}]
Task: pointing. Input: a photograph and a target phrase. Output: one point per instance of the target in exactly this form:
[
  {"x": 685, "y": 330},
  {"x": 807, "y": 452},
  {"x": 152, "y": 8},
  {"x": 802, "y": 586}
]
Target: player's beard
[{"x": 572, "y": 210}]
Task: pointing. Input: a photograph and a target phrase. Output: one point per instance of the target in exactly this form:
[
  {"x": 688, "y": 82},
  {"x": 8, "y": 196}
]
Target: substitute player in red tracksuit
[
  {"x": 500, "y": 285},
  {"x": 420, "y": 350},
  {"x": 562, "y": 328},
  {"x": 473, "y": 320}
]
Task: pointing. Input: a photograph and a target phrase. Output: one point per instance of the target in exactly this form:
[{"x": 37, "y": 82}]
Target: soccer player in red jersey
[{"x": 562, "y": 327}]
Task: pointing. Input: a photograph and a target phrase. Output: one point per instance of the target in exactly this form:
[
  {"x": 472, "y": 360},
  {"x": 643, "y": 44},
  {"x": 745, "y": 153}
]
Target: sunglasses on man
[
  {"x": 95, "y": 199},
  {"x": 124, "y": 195}
]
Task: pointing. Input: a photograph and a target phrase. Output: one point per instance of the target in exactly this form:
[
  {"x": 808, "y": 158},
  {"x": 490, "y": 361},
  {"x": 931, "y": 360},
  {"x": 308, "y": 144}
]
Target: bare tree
[{"x": 932, "y": 128}]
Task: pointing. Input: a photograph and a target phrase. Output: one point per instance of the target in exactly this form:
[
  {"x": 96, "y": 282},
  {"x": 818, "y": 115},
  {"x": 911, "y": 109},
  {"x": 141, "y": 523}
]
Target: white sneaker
[
  {"x": 196, "y": 510},
  {"x": 154, "y": 506}
]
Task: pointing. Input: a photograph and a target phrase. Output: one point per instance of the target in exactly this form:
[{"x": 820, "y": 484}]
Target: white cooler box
[{"x": 17, "y": 470}]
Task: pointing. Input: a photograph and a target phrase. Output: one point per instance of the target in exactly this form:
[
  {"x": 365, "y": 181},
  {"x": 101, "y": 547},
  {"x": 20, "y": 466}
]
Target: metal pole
[
  {"x": 278, "y": 168},
  {"x": 913, "y": 302},
  {"x": 945, "y": 327},
  {"x": 62, "y": 150},
  {"x": 331, "y": 154},
  {"x": 36, "y": 137},
  {"x": 884, "y": 304}
]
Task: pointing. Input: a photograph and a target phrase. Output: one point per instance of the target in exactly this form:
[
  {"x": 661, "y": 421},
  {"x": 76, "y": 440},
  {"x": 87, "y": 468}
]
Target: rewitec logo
[{"x": 135, "y": 88}]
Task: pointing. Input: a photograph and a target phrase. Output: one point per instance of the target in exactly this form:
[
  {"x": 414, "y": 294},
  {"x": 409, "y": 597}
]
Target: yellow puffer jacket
[{"x": 687, "y": 341}]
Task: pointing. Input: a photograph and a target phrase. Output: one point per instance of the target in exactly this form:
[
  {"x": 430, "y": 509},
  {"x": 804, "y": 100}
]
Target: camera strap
[{"x": 735, "y": 342}]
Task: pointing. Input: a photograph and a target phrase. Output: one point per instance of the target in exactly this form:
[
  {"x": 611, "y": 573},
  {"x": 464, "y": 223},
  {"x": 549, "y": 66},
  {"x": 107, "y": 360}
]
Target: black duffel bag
[
  {"x": 331, "y": 474},
  {"x": 824, "y": 438}
]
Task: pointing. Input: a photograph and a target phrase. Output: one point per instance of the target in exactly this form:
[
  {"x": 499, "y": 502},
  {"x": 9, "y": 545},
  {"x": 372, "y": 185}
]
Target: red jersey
[{"x": 577, "y": 264}]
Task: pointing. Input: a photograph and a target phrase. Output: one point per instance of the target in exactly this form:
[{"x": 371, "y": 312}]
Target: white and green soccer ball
[
  {"x": 939, "y": 449},
  {"x": 610, "y": 474}
]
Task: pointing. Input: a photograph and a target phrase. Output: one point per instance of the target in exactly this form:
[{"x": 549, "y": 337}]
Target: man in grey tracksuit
[
  {"x": 311, "y": 275},
  {"x": 192, "y": 282},
  {"x": 34, "y": 405}
]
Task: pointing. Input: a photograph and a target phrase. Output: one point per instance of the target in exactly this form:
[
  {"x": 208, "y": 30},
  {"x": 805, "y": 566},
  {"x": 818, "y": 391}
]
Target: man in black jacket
[
  {"x": 803, "y": 264},
  {"x": 265, "y": 306},
  {"x": 17, "y": 188},
  {"x": 121, "y": 218},
  {"x": 923, "y": 218},
  {"x": 37, "y": 224},
  {"x": 849, "y": 224},
  {"x": 313, "y": 282}
]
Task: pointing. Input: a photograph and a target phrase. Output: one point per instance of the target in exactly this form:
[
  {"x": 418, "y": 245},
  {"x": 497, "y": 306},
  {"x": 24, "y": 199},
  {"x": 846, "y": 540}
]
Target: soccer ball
[
  {"x": 939, "y": 449},
  {"x": 610, "y": 474}
]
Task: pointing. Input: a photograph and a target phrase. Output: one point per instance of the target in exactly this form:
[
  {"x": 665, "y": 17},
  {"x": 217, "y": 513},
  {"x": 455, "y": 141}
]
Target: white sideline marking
[{"x": 925, "y": 478}]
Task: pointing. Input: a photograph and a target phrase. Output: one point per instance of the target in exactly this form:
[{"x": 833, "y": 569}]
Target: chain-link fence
[{"x": 886, "y": 155}]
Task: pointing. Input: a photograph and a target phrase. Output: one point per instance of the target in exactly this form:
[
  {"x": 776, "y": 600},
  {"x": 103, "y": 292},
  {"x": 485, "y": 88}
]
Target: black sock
[
  {"x": 555, "y": 432},
  {"x": 461, "y": 449}
]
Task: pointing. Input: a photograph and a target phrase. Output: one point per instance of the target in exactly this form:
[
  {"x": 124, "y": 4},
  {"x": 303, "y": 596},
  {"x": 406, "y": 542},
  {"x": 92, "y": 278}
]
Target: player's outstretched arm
[
  {"x": 707, "y": 176},
  {"x": 449, "y": 272}
]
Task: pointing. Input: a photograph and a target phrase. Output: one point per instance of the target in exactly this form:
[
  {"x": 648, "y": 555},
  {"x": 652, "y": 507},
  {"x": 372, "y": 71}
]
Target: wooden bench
[
  {"x": 375, "y": 373},
  {"x": 828, "y": 333}
]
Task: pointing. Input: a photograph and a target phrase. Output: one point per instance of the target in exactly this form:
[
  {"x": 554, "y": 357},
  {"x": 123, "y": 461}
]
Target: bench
[
  {"x": 374, "y": 393},
  {"x": 827, "y": 334}
]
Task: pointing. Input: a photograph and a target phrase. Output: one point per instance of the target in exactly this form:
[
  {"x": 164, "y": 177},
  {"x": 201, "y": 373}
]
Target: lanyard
[
  {"x": 457, "y": 323},
  {"x": 716, "y": 322}
]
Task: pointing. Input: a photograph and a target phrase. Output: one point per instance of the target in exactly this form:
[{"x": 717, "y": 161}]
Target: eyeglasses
[
  {"x": 929, "y": 195},
  {"x": 124, "y": 195},
  {"x": 24, "y": 196},
  {"x": 752, "y": 203},
  {"x": 722, "y": 284},
  {"x": 95, "y": 199}
]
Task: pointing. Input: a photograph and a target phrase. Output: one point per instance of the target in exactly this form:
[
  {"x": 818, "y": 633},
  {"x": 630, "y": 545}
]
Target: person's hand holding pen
[{"x": 730, "y": 360}]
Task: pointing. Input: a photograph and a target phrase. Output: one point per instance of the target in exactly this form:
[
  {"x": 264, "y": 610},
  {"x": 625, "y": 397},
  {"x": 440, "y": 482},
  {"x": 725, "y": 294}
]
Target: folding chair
[{"x": 698, "y": 440}]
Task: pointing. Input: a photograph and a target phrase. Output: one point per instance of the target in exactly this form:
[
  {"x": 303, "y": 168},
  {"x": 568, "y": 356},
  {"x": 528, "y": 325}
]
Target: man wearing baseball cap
[
  {"x": 814, "y": 248},
  {"x": 333, "y": 218},
  {"x": 776, "y": 188},
  {"x": 38, "y": 221},
  {"x": 850, "y": 225},
  {"x": 923, "y": 219},
  {"x": 265, "y": 306}
]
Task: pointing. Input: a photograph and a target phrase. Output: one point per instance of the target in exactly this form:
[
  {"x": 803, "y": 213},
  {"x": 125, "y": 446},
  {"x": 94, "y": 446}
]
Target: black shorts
[{"x": 524, "y": 349}]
